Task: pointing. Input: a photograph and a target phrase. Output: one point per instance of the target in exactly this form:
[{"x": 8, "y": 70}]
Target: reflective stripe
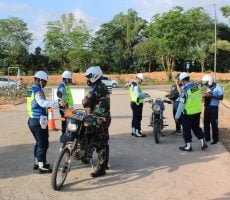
[
  {"x": 133, "y": 96},
  {"x": 33, "y": 108}
]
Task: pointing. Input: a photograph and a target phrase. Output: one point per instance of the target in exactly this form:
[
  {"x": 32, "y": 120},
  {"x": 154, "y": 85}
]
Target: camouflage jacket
[{"x": 99, "y": 100}]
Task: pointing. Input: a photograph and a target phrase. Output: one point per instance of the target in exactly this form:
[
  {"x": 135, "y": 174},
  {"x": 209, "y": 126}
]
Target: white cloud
[
  {"x": 38, "y": 28},
  {"x": 148, "y": 8},
  {"x": 92, "y": 23},
  {"x": 13, "y": 7}
]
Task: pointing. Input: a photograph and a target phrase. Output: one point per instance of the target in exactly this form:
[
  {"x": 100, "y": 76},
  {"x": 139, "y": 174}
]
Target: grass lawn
[{"x": 226, "y": 91}]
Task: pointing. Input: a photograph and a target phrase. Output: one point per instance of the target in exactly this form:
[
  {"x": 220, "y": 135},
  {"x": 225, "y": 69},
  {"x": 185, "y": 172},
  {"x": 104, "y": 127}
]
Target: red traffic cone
[{"x": 51, "y": 121}]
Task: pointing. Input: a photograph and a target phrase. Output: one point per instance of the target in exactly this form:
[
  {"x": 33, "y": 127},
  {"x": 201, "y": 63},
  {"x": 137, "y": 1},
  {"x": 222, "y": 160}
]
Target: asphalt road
[{"x": 140, "y": 169}]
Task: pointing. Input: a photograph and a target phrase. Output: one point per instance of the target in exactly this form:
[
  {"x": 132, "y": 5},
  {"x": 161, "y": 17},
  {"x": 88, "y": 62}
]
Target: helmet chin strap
[{"x": 41, "y": 83}]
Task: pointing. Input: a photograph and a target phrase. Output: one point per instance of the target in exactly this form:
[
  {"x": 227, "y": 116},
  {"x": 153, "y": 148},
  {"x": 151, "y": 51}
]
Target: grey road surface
[{"x": 140, "y": 169}]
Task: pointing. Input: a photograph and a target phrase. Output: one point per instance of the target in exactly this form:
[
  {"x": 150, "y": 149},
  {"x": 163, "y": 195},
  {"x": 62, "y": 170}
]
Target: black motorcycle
[
  {"x": 157, "y": 117},
  {"x": 76, "y": 145}
]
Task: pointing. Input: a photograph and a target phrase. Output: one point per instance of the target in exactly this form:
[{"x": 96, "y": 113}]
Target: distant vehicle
[
  {"x": 109, "y": 82},
  {"x": 7, "y": 82}
]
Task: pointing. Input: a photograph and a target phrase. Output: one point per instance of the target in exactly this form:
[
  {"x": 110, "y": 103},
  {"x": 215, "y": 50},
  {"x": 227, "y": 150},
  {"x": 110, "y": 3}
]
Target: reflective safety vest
[
  {"x": 33, "y": 108},
  {"x": 193, "y": 101},
  {"x": 68, "y": 97},
  {"x": 133, "y": 96}
]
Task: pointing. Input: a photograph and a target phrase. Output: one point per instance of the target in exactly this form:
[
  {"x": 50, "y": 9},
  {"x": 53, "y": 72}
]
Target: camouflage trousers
[{"x": 99, "y": 140}]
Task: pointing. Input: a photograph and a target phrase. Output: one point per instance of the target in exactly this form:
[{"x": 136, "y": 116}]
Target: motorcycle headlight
[
  {"x": 156, "y": 107},
  {"x": 71, "y": 126}
]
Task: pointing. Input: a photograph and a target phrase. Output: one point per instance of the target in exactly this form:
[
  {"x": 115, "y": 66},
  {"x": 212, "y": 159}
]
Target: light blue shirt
[
  {"x": 217, "y": 91},
  {"x": 182, "y": 96}
]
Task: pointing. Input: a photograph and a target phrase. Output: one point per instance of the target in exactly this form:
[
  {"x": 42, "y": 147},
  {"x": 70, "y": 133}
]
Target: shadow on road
[
  {"x": 131, "y": 159},
  {"x": 136, "y": 158}
]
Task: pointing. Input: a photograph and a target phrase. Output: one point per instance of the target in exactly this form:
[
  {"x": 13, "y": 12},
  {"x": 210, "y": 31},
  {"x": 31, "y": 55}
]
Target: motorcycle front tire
[
  {"x": 157, "y": 132},
  {"x": 62, "y": 166}
]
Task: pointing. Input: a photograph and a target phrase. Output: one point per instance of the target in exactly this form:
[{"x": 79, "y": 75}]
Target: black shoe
[
  {"x": 138, "y": 135},
  {"x": 100, "y": 171},
  {"x": 214, "y": 142},
  {"x": 44, "y": 170},
  {"x": 184, "y": 148},
  {"x": 35, "y": 167},
  {"x": 143, "y": 135},
  {"x": 205, "y": 146}
]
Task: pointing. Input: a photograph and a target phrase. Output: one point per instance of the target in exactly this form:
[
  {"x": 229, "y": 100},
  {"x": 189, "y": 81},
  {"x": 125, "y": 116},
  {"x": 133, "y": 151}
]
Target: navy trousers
[
  {"x": 41, "y": 139},
  {"x": 211, "y": 118},
  {"x": 137, "y": 115},
  {"x": 191, "y": 122}
]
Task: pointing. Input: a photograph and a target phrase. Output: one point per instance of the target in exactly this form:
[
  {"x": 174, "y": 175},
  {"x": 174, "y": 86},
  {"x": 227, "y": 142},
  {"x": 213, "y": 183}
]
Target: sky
[{"x": 94, "y": 12}]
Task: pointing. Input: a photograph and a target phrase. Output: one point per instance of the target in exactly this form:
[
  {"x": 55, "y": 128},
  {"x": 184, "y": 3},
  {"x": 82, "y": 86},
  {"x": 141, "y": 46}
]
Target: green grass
[{"x": 226, "y": 91}]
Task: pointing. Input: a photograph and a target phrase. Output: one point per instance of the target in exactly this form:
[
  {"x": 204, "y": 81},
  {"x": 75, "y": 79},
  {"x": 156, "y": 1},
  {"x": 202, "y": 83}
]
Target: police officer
[
  {"x": 64, "y": 93},
  {"x": 98, "y": 102},
  {"x": 137, "y": 99},
  {"x": 174, "y": 97},
  {"x": 37, "y": 109},
  {"x": 190, "y": 108},
  {"x": 211, "y": 97}
]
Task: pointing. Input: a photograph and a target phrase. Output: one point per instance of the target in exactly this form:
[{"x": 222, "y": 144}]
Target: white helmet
[
  {"x": 67, "y": 74},
  {"x": 41, "y": 75},
  {"x": 140, "y": 76},
  {"x": 207, "y": 79},
  {"x": 94, "y": 73},
  {"x": 183, "y": 75}
]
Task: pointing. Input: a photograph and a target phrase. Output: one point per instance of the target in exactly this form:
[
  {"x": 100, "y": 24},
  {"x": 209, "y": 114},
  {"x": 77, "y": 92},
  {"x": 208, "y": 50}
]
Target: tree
[
  {"x": 201, "y": 35},
  {"x": 145, "y": 53},
  {"x": 65, "y": 40},
  {"x": 114, "y": 41},
  {"x": 225, "y": 11},
  {"x": 181, "y": 35},
  {"x": 14, "y": 42},
  {"x": 169, "y": 33}
]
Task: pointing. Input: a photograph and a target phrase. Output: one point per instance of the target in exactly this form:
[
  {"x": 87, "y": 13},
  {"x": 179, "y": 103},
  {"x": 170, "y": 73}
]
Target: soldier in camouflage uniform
[{"x": 98, "y": 103}]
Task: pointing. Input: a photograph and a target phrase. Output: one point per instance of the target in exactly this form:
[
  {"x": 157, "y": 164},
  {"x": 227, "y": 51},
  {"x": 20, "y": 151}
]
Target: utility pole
[{"x": 215, "y": 44}]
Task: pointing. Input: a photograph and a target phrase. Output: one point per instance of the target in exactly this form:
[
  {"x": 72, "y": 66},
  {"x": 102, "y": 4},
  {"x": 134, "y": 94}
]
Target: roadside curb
[{"x": 226, "y": 104}]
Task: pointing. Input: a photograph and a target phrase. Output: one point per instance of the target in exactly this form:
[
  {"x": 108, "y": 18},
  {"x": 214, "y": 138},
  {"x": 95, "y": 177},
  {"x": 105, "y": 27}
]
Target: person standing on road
[
  {"x": 37, "y": 109},
  {"x": 137, "y": 99},
  {"x": 64, "y": 93},
  {"x": 98, "y": 102},
  {"x": 190, "y": 108},
  {"x": 174, "y": 97},
  {"x": 211, "y": 97}
]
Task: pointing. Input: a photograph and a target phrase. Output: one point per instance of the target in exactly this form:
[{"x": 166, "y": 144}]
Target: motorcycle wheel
[
  {"x": 61, "y": 169},
  {"x": 157, "y": 132}
]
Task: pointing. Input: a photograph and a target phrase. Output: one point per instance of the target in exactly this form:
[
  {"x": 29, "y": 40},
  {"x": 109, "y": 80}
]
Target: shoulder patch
[
  {"x": 40, "y": 93},
  {"x": 194, "y": 89}
]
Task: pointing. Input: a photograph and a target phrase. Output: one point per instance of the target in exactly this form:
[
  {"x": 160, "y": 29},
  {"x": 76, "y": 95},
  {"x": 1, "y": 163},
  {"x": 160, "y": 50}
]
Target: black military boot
[{"x": 100, "y": 171}]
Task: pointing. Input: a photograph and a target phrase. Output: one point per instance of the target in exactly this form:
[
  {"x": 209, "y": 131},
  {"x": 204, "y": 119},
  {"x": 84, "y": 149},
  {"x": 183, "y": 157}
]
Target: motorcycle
[
  {"x": 157, "y": 117},
  {"x": 76, "y": 145}
]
